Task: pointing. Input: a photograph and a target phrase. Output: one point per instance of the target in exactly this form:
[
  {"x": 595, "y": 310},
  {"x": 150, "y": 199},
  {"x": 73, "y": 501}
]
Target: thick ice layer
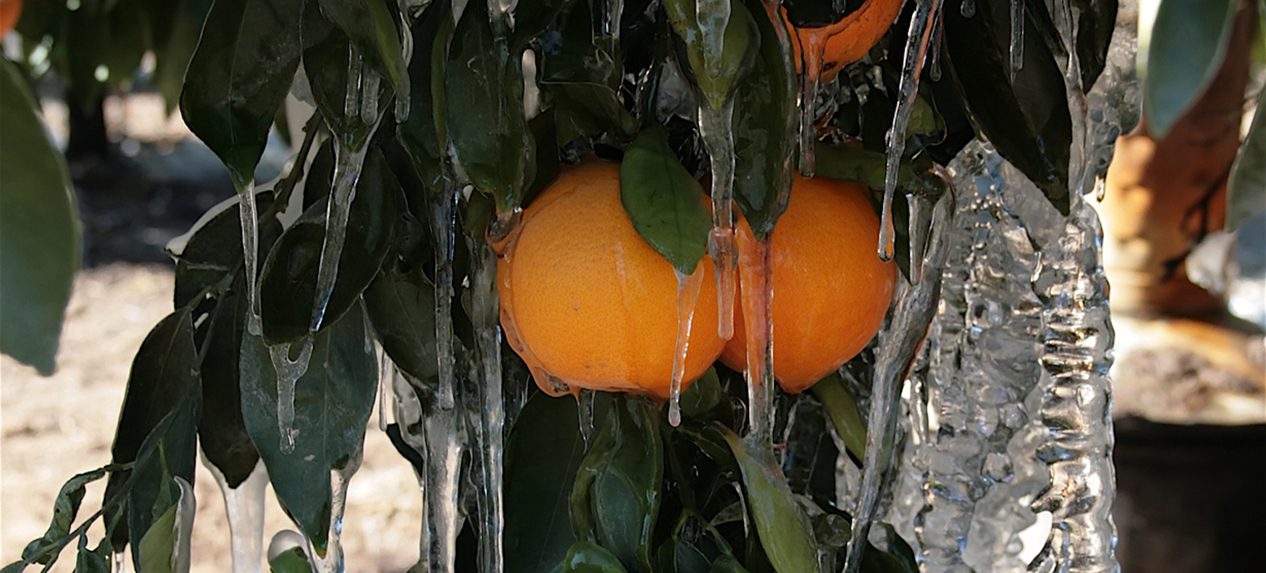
[
  {"x": 347, "y": 167},
  {"x": 445, "y": 441},
  {"x": 290, "y": 361},
  {"x": 716, "y": 131},
  {"x": 244, "y": 509}
]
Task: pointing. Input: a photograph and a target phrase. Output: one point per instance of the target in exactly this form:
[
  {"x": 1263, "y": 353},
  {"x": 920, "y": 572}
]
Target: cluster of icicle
[{"x": 1008, "y": 401}]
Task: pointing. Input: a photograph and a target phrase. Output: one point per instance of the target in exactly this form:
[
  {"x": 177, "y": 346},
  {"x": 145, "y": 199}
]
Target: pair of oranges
[{"x": 588, "y": 304}]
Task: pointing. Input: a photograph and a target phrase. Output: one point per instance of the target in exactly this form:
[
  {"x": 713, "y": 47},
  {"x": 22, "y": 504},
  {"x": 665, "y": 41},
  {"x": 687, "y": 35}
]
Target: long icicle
[
  {"x": 244, "y": 509},
  {"x": 248, "y": 214},
  {"x": 688, "y": 287},
  {"x": 443, "y": 225},
  {"x": 917, "y": 41},
  {"x": 444, "y": 445},
  {"x": 916, "y": 306},
  {"x": 715, "y": 128},
  {"x": 756, "y": 267},
  {"x": 485, "y": 311}
]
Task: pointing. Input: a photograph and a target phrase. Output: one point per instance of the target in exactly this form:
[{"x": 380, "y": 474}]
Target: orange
[
  {"x": 10, "y": 10},
  {"x": 831, "y": 291},
  {"x": 830, "y": 48},
  {"x": 587, "y": 303}
]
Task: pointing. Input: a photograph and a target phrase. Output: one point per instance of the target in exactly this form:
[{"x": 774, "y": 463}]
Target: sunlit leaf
[
  {"x": 1178, "y": 61},
  {"x": 39, "y": 230},
  {"x": 1246, "y": 189},
  {"x": 665, "y": 203}
]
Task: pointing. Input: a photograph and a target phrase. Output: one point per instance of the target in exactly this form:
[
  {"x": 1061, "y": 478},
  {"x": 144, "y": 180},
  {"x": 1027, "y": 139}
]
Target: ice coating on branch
[
  {"x": 900, "y": 342},
  {"x": 355, "y": 66},
  {"x": 248, "y": 214},
  {"x": 716, "y": 131},
  {"x": 443, "y": 227},
  {"x": 290, "y": 361},
  {"x": 712, "y": 16},
  {"x": 756, "y": 268},
  {"x": 922, "y": 24},
  {"x": 688, "y": 287},
  {"x": 1017, "y": 38},
  {"x": 332, "y": 560},
  {"x": 244, "y": 509},
  {"x": 584, "y": 413},
  {"x": 347, "y": 168},
  {"x": 371, "y": 81},
  {"x": 445, "y": 441},
  {"x": 485, "y": 315}
]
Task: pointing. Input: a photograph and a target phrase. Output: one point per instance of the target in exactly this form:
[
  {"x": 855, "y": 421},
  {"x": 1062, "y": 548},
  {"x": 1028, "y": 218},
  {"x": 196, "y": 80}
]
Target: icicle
[
  {"x": 934, "y": 59},
  {"x": 609, "y": 14},
  {"x": 688, "y": 287},
  {"x": 386, "y": 382},
  {"x": 920, "y": 35},
  {"x": 347, "y": 166},
  {"x": 444, "y": 445},
  {"x": 331, "y": 560},
  {"x": 968, "y": 8},
  {"x": 289, "y": 370},
  {"x": 712, "y": 16},
  {"x": 1017, "y": 37},
  {"x": 918, "y": 207},
  {"x": 118, "y": 562},
  {"x": 808, "y": 111},
  {"x": 249, "y": 216},
  {"x": 244, "y": 508},
  {"x": 1101, "y": 189},
  {"x": 370, "y": 82},
  {"x": 443, "y": 225},
  {"x": 1080, "y": 169},
  {"x": 486, "y": 315},
  {"x": 718, "y": 138},
  {"x": 756, "y": 267},
  {"x": 355, "y": 66},
  {"x": 584, "y": 411},
  {"x": 916, "y": 306}
]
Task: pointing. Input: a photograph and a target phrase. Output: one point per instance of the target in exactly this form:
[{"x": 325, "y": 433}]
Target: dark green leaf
[
  {"x": 484, "y": 120},
  {"x": 693, "y": 546},
  {"x": 586, "y": 557},
  {"x": 665, "y": 203},
  {"x": 1094, "y": 34},
  {"x": 89, "y": 561},
  {"x": 1246, "y": 189},
  {"x": 164, "y": 374},
  {"x": 239, "y": 76},
  {"x": 543, "y": 453},
  {"x": 173, "y": 56},
  {"x": 292, "y": 561},
  {"x": 401, "y": 306},
  {"x": 727, "y": 564},
  {"x": 531, "y": 19},
  {"x": 584, "y": 110},
  {"x": 841, "y": 407},
  {"x": 784, "y": 530},
  {"x": 288, "y": 283},
  {"x": 764, "y": 134},
  {"x": 418, "y": 132},
  {"x": 702, "y": 395},
  {"x": 1028, "y": 120},
  {"x": 332, "y": 402},
  {"x": 616, "y": 496},
  {"x": 371, "y": 25},
  {"x": 214, "y": 249},
  {"x": 740, "y": 42},
  {"x": 1184, "y": 52},
  {"x": 39, "y": 230},
  {"x": 225, "y": 442},
  {"x": 326, "y": 52}
]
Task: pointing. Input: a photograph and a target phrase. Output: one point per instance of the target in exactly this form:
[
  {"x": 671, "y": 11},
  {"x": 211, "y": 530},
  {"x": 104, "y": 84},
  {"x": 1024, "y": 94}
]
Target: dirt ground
[{"x": 52, "y": 428}]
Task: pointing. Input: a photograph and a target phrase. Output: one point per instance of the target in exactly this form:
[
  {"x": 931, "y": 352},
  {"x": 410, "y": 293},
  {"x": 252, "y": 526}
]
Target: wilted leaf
[
  {"x": 332, "y": 402},
  {"x": 665, "y": 203},
  {"x": 239, "y": 76},
  {"x": 65, "y": 508},
  {"x": 39, "y": 230}
]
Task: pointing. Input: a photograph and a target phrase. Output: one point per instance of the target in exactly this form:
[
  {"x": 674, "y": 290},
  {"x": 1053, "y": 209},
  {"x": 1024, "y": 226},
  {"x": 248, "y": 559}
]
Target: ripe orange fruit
[
  {"x": 10, "y": 10},
  {"x": 831, "y": 291},
  {"x": 843, "y": 42},
  {"x": 587, "y": 303}
]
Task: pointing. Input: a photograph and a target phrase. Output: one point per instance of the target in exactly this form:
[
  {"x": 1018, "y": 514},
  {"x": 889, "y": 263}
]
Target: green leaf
[
  {"x": 740, "y": 40},
  {"x": 586, "y": 557},
  {"x": 693, "y": 546},
  {"x": 893, "y": 555},
  {"x": 1026, "y": 120},
  {"x": 531, "y": 19},
  {"x": 841, "y": 407},
  {"x": 332, "y": 402},
  {"x": 543, "y": 453},
  {"x": 1181, "y": 56},
  {"x": 163, "y": 475},
  {"x": 1246, "y": 189},
  {"x": 401, "y": 306},
  {"x": 163, "y": 378},
  {"x": 292, "y": 561},
  {"x": 616, "y": 496},
  {"x": 484, "y": 119},
  {"x": 418, "y": 131},
  {"x": 287, "y": 286},
  {"x": 173, "y": 56},
  {"x": 225, "y": 442},
  {"x": 65, "y": 508},
  {"x": 165, "y": 546},
  {"x": 665, "y": 203},
  {"x": 371, "y": 25},
  {"x": 781, "y": 524},
  {"x": 764, "y": 134},
  {"x": 239, "y": 76},
  {"x": 39, "y": 230}
]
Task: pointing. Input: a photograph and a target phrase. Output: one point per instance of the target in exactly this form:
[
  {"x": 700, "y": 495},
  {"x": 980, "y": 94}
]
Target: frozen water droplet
[
  {"x": 756, "y": 269},
  {"x": 406, "y": 49},
  {"x": 716, "y": 130},
  {"x": 347, "y": 167},
  {"x": 443, "y": 225},
  {"x": 688, "y": 287},
  {"x": 289, "y": 370},
  {"x": 887, "y": 231},
  {"x": 244, "y": 508},
  {"x": 1101, "y": 189},
  {"x": 386, "y": 381}
]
